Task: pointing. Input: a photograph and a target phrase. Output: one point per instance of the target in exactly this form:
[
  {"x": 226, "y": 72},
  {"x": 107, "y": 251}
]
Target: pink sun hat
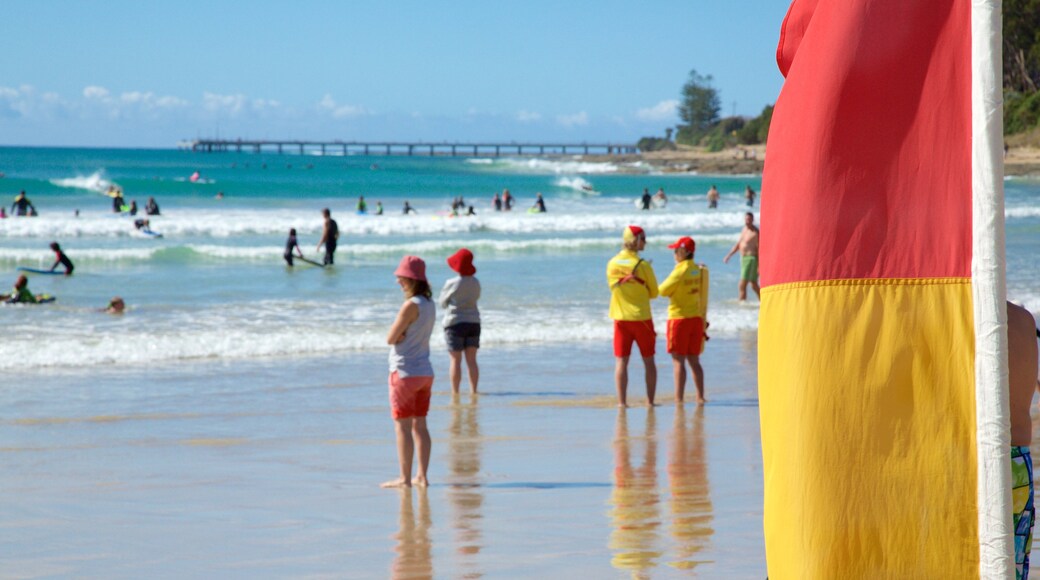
[{"x": 411, "y": 267}]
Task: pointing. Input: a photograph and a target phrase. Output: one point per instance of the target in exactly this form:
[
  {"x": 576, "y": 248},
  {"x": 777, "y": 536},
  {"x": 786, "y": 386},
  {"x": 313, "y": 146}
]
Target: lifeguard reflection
[{"x": 642, "y": 537}]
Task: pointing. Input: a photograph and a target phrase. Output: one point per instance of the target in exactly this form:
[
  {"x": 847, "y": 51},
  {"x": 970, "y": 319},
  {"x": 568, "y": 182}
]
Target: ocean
[{"x": 234, "y": 419}]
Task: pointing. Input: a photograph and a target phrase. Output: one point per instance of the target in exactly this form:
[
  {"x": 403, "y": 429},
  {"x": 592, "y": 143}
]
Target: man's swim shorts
[
  {"x": 749, "y": 268},
  {"x": 409, "y": 396},
  {"x": 1022, "y": 506},
  {"x": 686, "y": 335},
  {"x": 639, "y": 331}
]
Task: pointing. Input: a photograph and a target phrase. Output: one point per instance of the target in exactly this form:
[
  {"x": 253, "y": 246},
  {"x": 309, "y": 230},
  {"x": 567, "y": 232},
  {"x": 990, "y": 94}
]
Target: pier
[{"x": 445, "y": 149}]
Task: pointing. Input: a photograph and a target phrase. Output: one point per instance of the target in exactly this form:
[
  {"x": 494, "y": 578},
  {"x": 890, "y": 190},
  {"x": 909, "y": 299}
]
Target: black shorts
[{"x": 462, "y": 336}]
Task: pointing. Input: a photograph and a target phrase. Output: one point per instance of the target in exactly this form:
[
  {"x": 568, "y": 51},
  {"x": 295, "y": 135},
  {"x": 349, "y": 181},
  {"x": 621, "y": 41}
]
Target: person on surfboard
[{"x": 62, "y": 259}]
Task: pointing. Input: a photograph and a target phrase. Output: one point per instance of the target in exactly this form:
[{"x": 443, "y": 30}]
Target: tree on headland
[
  {"x": 1022, "y": 71},
  {"x": 698, "y": 108}
]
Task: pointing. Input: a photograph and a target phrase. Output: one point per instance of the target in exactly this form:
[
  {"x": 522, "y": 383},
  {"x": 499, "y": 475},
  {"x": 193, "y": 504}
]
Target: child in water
[
  {"x": 289, "y": 245},
  {"x": 20, "y": 294},
  {"x": 411, "y": 374},
  {"x": 61, "y": 258}
]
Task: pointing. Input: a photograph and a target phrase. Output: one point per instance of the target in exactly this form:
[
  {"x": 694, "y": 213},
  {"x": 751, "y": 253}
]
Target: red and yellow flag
[{"x": 880, "y": 338}]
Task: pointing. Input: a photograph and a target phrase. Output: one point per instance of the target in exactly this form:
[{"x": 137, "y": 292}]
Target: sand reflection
[
  {"x": 635, "y": 511},
  {"x": 690, "y": 503},
  {"x": 414, "y": 559},
  {"x": 464, "y": 449}
]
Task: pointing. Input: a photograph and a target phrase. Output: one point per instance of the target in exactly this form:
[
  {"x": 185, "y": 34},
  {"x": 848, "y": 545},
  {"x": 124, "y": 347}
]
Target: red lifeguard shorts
[
  {"x": 686, "y": 336},
  {"x": 409, "y": 396},
  {"x": 639, "y": 331}
]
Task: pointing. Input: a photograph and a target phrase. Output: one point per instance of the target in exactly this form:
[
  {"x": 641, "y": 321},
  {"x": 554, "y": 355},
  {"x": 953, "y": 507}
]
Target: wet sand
[{"x": 272, "y": 470}]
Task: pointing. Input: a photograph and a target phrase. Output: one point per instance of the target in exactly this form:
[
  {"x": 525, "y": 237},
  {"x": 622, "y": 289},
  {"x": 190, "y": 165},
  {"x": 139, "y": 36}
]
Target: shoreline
[{"x": 749, "y": 160}]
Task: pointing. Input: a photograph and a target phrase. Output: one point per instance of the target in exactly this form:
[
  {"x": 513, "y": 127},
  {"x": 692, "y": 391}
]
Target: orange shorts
[
  {"x": 639, "y": 331},
  {"x": 686, "y": 336},
  {"x": 409, "y": 396}
]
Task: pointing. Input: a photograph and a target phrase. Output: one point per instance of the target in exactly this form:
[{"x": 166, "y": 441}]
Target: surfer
[
  {"x": 496, "y": 202},
  {"x": 379, "y": 208},
  {"x": 289, "y": 245},
  {"x": 62, "y": 259},
  {"x": 20, "y": 294},
  {"x": 362, "y": 207},
  {"x": 329, "y": 237},
  {"x": 133, "y": 207},
  {"x": 539, "y": 204},
  {"x": 470, "y": 211},
  {"x": 747, "y": 245},
  {"x": 22, "y": 205},
  {"x": 151, "y": 208},
  {"x": 646, "y": 199},
  {"x": 632, "y": 285},
  {"x": 408, "y": 208},
  {"x": 1022, "y": 382},
  {"x": 459, "y": 298},
  {"x": 713, "y": 197},
  {"x": 117, "y": 199},
  {"x": 687, "y": 290},
  {"x": 411, "y": 374},
  {"x": 749, "y": 195},
  {"x": 660, "y": 199},
  {"x": 507, "y": 200}
]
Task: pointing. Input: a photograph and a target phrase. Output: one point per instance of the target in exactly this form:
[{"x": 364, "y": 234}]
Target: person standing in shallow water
[
  {"x": 748, "y": 247},
  {"x": 329, "y": 237},
  {"x": 459, "y": 299},
  {"x": 411, "y": 374}
]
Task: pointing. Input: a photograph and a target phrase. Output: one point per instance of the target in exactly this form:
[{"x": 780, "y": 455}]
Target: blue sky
[{"x": 131, "y": 73}]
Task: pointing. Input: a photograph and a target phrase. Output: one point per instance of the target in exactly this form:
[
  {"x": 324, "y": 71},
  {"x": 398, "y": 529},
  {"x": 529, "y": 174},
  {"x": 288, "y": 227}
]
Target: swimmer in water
[
  {"x": 115, "y": 306},
  {"x": 20, "y": 294},
  {"x": 289, "y": 245},
  {"x": 408, "y": 208}
]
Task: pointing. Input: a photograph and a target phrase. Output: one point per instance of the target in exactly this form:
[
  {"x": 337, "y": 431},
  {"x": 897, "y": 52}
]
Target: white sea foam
[
  {"x": 93, "y": 182},
  {"x": 262, "y": 329},
  {"x": 577, "y": 184},
  {"x": 552, "y": 166},
  {"x": 480, "y": 161},
  {"x": 1022, "y": 212}
]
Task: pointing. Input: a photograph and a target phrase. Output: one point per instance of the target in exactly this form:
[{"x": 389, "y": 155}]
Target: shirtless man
[
  {"x": 748, "y": 247},
  {"x": 713, "y": 197},
  {"x": 1022, "y": 381},
  {"x": 329, "y": 237}
]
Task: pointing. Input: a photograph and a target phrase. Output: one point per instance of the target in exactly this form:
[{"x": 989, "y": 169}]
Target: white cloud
[
  {"x": 663, "y": 111},
  {"x": 95, "y": 92},
  {"x": 525, "y": 116},
  {"x": 577, "y": 119},
  {"x": 341, "y": 111}
]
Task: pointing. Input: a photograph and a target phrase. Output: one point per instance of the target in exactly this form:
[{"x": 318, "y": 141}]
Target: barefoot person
[
  {"x": 632, "y": 285},
  {"x": 411, "y": 374},
  {"x": 687, "y": 290},
  {"x": 747, "y": 245},
  {"x": 462, "y": 319},
  {"x": 1022, "y": 368}
]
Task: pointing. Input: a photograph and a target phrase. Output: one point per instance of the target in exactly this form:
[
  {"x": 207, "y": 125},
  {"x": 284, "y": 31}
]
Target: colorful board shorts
[
  {"x": 462, "y": 336},
  {"x": 639, "y": 331},
  {"x": 749, "y": 268},
  {"x": 686, "y": 336},
  {"x": 409, "y": 396},
  {"x": 1022, "y": 506}
]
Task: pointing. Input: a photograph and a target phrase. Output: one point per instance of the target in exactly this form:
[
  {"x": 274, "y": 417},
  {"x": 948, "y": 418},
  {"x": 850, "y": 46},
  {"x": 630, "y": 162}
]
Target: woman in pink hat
[
  {"x": 411, "y": 374},
  {"x": 462, "y": 319}
]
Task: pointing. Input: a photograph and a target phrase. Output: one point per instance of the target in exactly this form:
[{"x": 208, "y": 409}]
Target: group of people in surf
[
  {"x": 713, "y": 196},
  {"x": 119, "y": 204}
]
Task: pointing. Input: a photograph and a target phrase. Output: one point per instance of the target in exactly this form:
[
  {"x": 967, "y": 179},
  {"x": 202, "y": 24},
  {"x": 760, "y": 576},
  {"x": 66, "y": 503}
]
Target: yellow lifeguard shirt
[
  {"x": 630, "y": 300},
  {"x": 687, "y": 290}
]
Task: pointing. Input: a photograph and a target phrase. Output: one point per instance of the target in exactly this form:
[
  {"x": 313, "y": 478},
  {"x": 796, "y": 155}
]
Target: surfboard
[
  {"x": 654, "y": 203},
  {"x": 148, "y": 233},
  {"x": 41, "y": 299},
  {"x": 309, "y": 261},
  {"x": 39, "y": 271}
]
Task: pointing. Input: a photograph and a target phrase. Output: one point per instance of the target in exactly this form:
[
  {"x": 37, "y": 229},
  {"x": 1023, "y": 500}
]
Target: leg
[
  {"x": 758, "y": 292},
  {"x": 651, "y": 379},
  {"x": 472, "y": 368},
  {"x": 422, "y": 441},
  {"x": 455, "y": 369},
  {"x": 621, "y": 380},
  {"x": 698, "y": 376},
  {"x": 679, "y": 372},
  {"x": 405, "y": 451},
  {"x": 742, "y": 290}
]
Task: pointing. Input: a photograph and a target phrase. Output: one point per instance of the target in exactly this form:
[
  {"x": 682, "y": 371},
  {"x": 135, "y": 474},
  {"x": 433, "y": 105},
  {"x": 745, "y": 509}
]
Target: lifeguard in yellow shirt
[
  {"x": 687, "y": 289},
  {"x": 632, "y": 285}
]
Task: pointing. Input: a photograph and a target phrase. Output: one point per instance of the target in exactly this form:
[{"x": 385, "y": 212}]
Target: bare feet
[
  {"x": 399, "y": 482},
  {"x": 421, "y": 482},
  {"x": 701, "y": 400}
]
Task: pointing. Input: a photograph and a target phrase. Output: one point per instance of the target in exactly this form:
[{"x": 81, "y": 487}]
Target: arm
[
  {"x": 736, "y": 247},
  {"x": 447, "y": 292},
  {"x": 667, "y": 287},
  {"x": 704, "y": 290},
  {"x": 408, "y": 314},
  {"x": 651, "y": 280},
  {"x": 324, "y": 233}
]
